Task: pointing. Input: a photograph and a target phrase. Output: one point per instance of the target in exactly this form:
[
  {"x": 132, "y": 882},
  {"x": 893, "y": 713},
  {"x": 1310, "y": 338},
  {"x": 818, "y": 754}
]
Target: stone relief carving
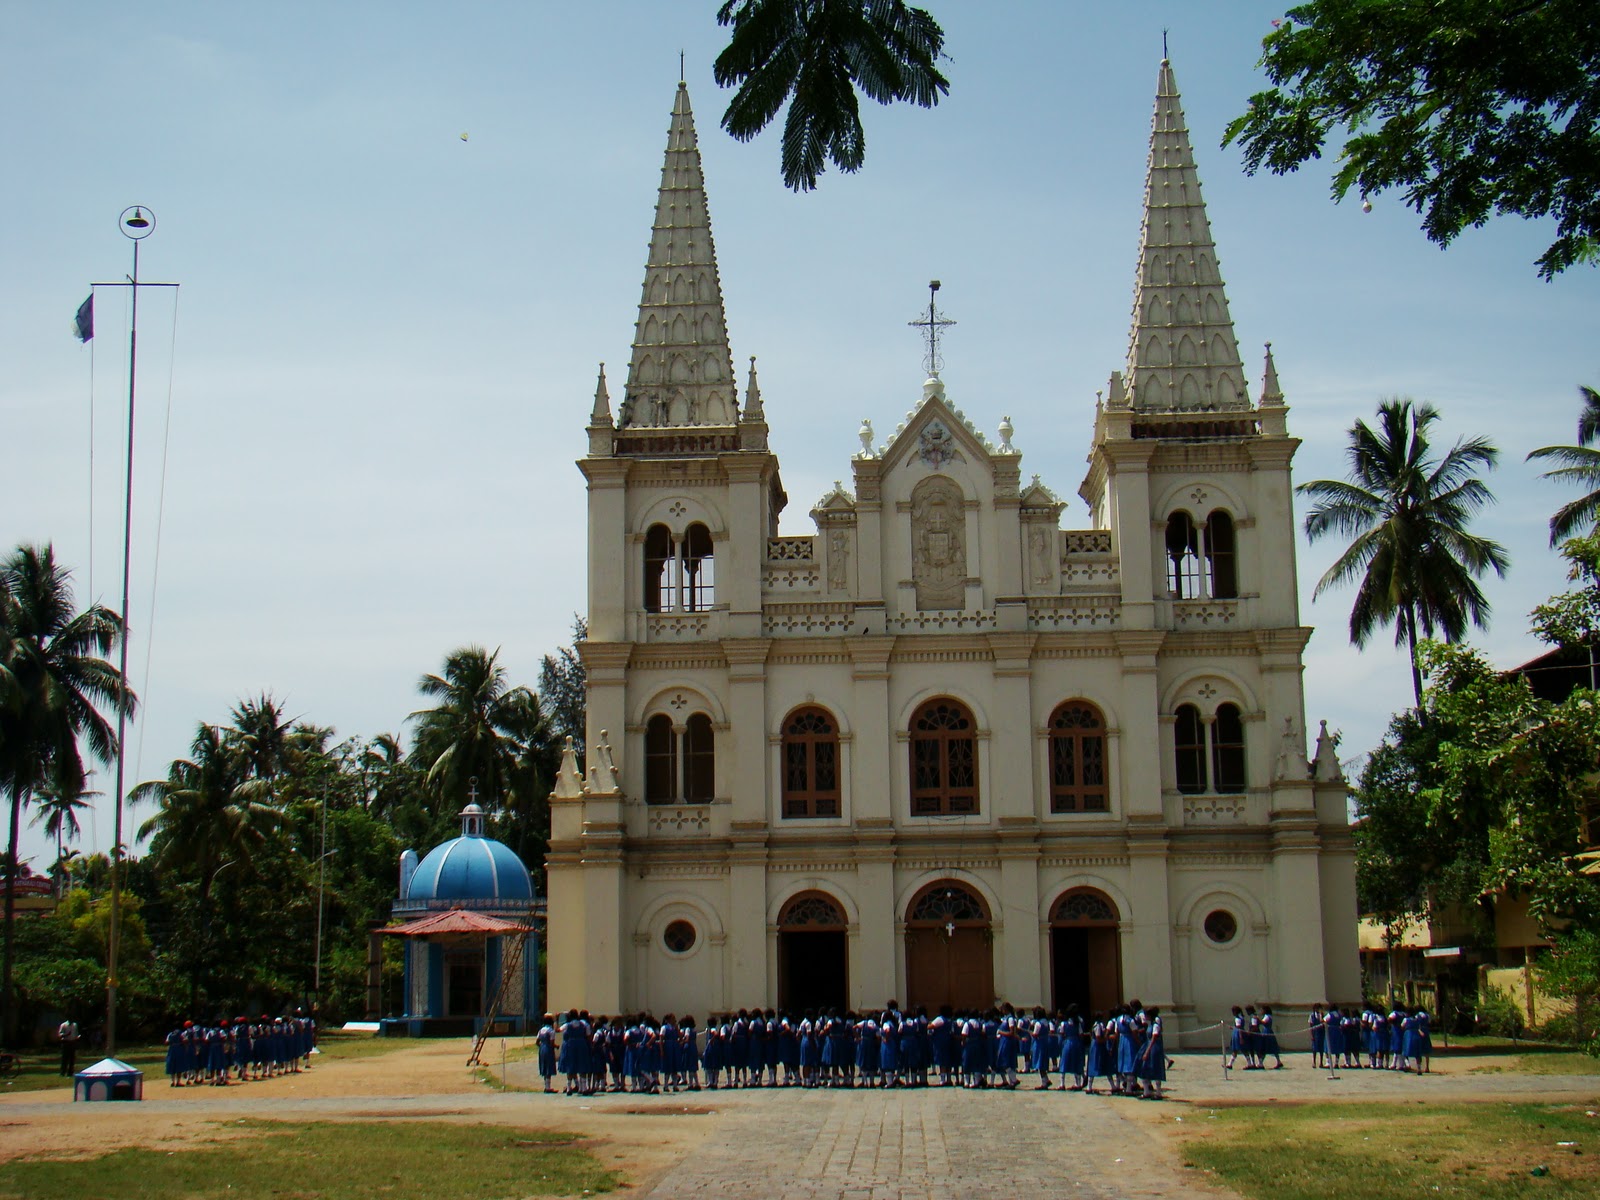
[
  {"x": 938, "y": 445},
  {"x": 838, "y": 560},
  {"x": 1039, "y": 554},
  {"x": 938, "y": 544}
]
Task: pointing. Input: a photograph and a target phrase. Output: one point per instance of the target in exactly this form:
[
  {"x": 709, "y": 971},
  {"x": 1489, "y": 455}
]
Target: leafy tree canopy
[
  {"x": 814, "y": 55},
  {"x": 1473, "y": 108}
]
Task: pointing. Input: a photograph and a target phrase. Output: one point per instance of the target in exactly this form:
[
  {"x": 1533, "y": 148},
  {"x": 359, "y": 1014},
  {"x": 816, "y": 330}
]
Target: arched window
[
  {"x": 944, "y": 759},
  {"x": 1222, "y": 563},
  {"x": 812, "y": 910},
  {"x": 1183, "y": 556},
  {"x": 947, "y": 903},
  {"x": 810, "y": 764},
  {"x": 1084, "y": 906},
  {"x": 699, "y": 760},
  {"x": 1227, "y": 750},
  {"x": 660, "y": 760},
  {"x": 1077, "y": 759},
  {"x": 679, "y": 763},
  {"x": 658, "y": 589},
  {"x": 1189, "y": 740},
  {"x": 699, "y": 577}
]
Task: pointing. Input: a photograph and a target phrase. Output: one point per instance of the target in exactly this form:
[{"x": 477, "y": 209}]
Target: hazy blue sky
[{"x": 387, "y": 337}]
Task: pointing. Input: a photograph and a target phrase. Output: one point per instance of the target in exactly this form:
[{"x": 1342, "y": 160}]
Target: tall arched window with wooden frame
[
  {"x": 658, "y": 569},
  {"x": 660, "y": 760},
  {"x": 1189, "y": 744},
  {"x": 1222, "y": 560},
  {"x": 1227, "y": 750},
  {"x": 699, "y": 573},
  {"x": 699, "y": 760},
  {"x": 944, "y": 759},
  {"x": 810, "y": 750},
  {"x": 1078, "y": 759},
  {"x": 1183, "y": 556}
]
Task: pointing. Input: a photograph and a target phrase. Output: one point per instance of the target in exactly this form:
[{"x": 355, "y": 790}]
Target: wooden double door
[{"x": 953, "y": 966}]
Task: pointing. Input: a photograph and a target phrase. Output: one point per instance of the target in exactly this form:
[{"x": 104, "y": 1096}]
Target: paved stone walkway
[{"x": 933, "y": 1143}]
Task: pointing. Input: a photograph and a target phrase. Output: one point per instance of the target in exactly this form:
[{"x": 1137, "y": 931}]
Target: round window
[
  {"x": 679, "y": 937},
  {"x": 1221, "y": 927}
]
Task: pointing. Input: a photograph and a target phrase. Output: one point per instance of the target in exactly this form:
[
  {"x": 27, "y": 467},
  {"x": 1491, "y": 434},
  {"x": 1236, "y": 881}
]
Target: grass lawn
[
  {"x": 1547, "y": 1062},
  {"x": 1342, "y": 1151},
  {"x": 39, "y": 1065},
  {"x": 330, "y": 1161}
]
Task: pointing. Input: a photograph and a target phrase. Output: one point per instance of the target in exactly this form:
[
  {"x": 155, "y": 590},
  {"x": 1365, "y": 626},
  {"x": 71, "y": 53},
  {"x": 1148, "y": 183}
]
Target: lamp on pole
[{"x": 136, "y": 224}]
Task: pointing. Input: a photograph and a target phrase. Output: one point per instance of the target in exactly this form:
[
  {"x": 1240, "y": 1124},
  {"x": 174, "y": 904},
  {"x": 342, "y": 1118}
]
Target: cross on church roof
[{"x": 930, "y": 325}]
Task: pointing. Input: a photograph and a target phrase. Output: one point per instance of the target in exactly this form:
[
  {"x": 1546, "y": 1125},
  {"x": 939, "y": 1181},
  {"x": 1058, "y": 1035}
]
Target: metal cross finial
[
  {"x": 680, "y": 66},
  {"x": 472, "y": 790},
  {"x": 930, "y": 325},
  {"x": 1163, "y": 45}
]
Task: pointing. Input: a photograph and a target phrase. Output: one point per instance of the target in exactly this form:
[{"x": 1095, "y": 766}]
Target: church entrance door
[
  {"x": 1085, "y": 952},
  {"x": 949, "y": 949},
  {"x": 813, "y": 954}
]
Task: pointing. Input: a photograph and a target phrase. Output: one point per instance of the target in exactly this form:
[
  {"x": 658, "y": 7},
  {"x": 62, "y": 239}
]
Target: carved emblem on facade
[
  {"x": 938, "y": 544},
  {"x": 937, "y": 445}
]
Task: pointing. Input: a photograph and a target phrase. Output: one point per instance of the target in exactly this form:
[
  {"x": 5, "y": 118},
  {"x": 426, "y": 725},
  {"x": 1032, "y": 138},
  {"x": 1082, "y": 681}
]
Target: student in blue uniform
[
  {"x": 545, "y": 1039},
  {"x": 1269, "y": 1039},
  {"x": 1151, "y": 1068}
]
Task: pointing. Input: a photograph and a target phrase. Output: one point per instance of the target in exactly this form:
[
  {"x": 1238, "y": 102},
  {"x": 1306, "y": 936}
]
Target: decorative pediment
[
  {"x": 936, "y": 433},
  {"x": 835, "y": 500},
  {"x": 1037, "y": 496}
]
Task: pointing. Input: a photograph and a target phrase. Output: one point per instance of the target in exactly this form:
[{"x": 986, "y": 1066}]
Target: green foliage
[
  {"x": 1578, "y": 464},
  {"x": 1572, "y": 969},
  {"x": 562, "y": 683},
  {"x": 814, "y": 55},
  {"x": 1472, "y": 108},
  {"x": 1498, "y": 1015}
]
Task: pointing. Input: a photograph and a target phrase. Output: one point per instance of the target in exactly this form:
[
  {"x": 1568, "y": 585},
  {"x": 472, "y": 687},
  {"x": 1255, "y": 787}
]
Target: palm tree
[
  {"x": 472, "y": 732},
  {"x": 54, "y": 679},
  {"x": 1580, "y": 464},
  {"x": 820, "y": 54},
  {"x": 1407, "y": 513},
  {"x": 58, "y": 811},
  {"x": 213, "y": 815}
]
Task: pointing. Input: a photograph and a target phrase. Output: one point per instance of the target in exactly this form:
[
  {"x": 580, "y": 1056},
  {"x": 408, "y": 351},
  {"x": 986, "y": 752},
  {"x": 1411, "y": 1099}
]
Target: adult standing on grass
[{"x": 67, "y": 1033}]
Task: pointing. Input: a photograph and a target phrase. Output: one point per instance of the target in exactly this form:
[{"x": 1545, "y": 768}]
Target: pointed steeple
[
  {"x": 600, "y": 415},
  {"x": 1271, "y": 393},
  {"x": 681, "y": 372},
  {"x": 1182, "y": 355},
  {"x": 753, "y": 412}
]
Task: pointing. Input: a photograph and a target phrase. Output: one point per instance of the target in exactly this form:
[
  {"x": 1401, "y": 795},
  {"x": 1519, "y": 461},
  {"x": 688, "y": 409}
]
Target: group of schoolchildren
[
  {"x": 234, "y": 1051},
  {"x": 1400, "y": 1041},
  {"x": 830, "y": 1048}
]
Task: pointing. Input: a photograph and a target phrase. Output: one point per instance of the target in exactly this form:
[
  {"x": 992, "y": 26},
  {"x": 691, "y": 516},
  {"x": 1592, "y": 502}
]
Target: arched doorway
[
  {"x": 949, "y": 949},
  {"x": 1085, "y": 951},
  {"x": 813, "y": 954}
]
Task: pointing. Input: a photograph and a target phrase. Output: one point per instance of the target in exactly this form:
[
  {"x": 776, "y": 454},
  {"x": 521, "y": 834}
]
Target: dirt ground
[
  {"x": 425, "y": 1081},
  {"x": 640, "y": 1136}
]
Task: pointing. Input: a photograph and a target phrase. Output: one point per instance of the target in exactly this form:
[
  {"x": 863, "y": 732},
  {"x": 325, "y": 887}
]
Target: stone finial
[
  {"x": 600, "y": 415},
  {"x": 604, "y": 779},
  {"x": 569, "y": 780},
  {"x": 865, "y": 434},
  {"x": 1116, "y": 394},
  {"x": 931, "y": 387},
  {"x": 1326, "y": 763},
  {"x": 1006, "y": 430},
  {"x": 753, "y": 412},
  {"x": 1271, "y": 393}
]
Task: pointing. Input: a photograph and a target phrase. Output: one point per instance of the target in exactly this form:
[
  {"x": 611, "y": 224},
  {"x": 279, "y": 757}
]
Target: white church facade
[{"x": 943, "y": 750}]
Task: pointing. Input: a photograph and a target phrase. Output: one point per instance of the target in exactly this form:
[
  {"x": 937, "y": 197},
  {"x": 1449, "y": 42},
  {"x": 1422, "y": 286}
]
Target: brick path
[{"x": 934, "y": 1143}]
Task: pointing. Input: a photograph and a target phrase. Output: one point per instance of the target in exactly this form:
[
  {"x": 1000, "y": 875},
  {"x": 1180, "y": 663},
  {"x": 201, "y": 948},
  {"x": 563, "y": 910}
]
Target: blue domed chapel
[{"x": 463, "y": 910}]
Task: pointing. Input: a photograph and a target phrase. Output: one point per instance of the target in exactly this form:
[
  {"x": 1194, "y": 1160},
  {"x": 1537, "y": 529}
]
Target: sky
[{"x": 357, "y": 417}]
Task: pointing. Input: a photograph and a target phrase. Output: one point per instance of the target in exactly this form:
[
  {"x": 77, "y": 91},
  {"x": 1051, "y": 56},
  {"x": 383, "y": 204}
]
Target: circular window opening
[
  {"x": 679, "y": 937},
  {"x": 1221, "y": 927}
]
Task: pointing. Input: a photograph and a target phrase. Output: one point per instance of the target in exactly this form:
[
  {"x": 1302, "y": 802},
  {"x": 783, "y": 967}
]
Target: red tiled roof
[{"x": 455, "y": 920}]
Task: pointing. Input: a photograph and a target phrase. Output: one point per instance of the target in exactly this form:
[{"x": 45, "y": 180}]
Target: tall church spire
[
  {"x": 681, "y": 372},
  {"x": 1182, "y": 355}
]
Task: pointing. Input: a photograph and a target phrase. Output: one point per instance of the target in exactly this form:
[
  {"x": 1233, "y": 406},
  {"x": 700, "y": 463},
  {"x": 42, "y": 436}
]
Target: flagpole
[{"x": 135, "y": 227}]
